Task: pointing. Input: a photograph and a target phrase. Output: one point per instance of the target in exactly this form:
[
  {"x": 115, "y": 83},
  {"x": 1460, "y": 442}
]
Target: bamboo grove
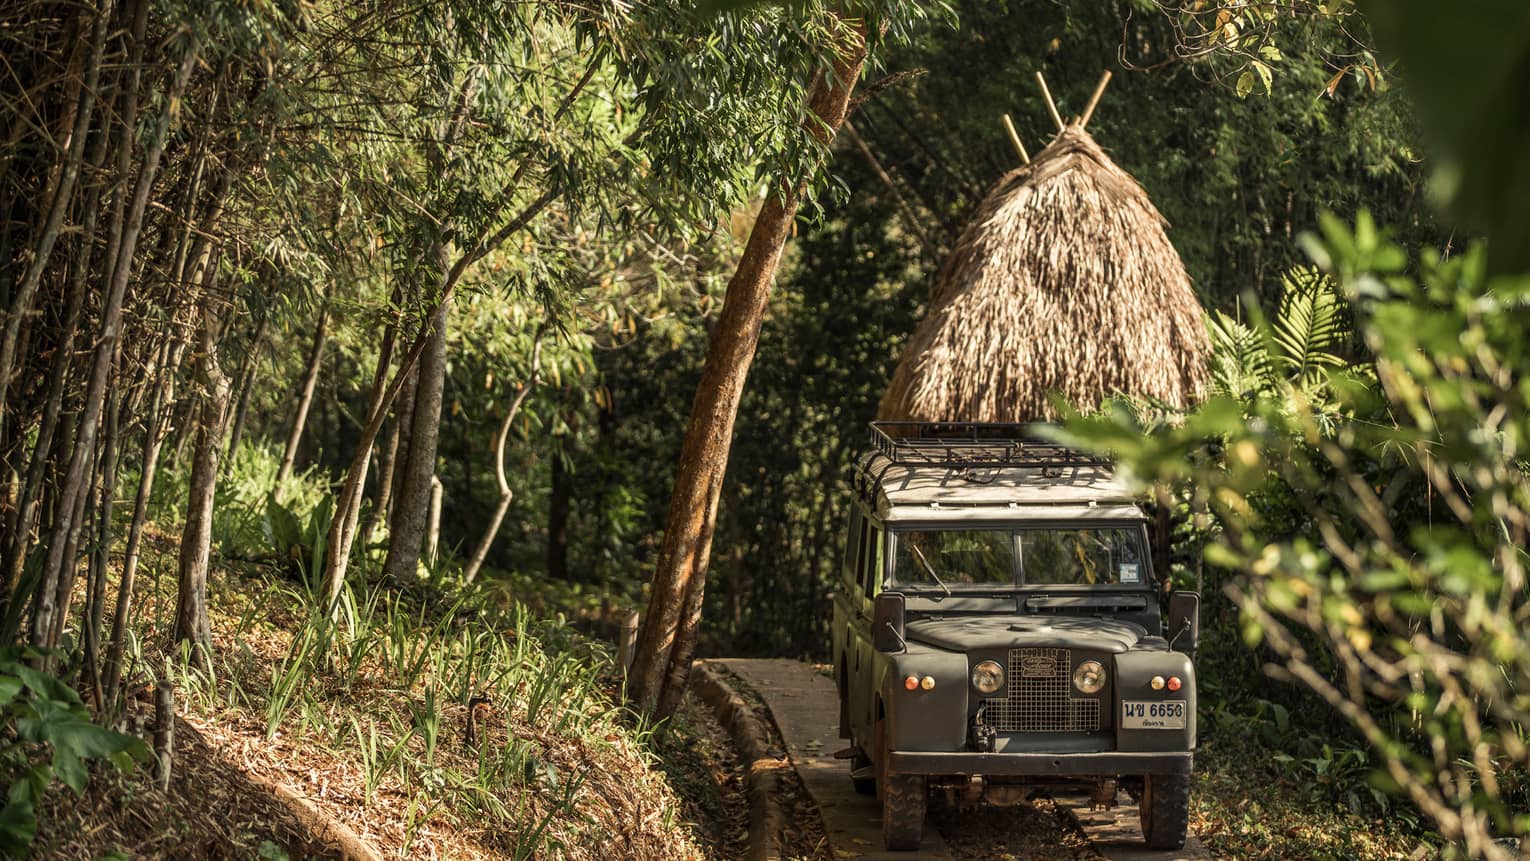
[{"x": 181, "y": 180}]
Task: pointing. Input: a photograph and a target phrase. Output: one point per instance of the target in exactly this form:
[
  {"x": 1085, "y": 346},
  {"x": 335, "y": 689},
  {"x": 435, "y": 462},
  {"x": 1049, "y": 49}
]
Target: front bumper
[{"x": 1105, "y": 764}]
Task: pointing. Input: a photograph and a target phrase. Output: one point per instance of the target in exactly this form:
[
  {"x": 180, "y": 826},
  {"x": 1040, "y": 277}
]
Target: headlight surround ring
[
  {"x": 1089, "y": 678},
  {"x": 988, "y": 677}
]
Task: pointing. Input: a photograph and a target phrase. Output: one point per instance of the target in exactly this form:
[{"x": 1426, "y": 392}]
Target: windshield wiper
[{"x": 919, "y": 554}]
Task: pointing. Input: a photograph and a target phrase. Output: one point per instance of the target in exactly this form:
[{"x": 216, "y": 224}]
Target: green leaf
[
  {"x": 1465, "y": 66},
  {"x": 1263, "y": 72},
  {"x": 10, "y": 686},
  {"x": 18, "y": 828},
  {"x": 47, "y": 687},
  {"x": 1245, "y": 84}
]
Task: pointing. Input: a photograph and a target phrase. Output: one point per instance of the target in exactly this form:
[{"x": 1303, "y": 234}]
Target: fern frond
[
  {"x": 1310, "y": 324},
  {"x": 1240, "y": 360}
]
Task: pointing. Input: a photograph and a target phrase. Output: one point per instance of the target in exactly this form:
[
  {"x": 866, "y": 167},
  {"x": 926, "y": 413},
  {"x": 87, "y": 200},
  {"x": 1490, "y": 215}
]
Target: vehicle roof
[{"x": 902, "y": 491}]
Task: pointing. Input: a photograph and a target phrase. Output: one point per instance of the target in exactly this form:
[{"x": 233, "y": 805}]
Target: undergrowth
[
  {"x": 439, "y": 720},
  {"x": 545, "y": 766}
]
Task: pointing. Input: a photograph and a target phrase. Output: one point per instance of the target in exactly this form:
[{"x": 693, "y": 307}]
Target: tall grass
[{"x": 394, "y": 677}]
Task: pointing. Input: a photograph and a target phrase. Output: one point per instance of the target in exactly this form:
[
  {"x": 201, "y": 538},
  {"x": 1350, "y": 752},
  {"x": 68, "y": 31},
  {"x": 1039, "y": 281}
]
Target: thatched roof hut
[{"x": 1064, "y": 281}]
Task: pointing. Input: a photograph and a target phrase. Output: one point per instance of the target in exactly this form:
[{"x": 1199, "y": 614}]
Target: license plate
[{"x": 1169, "y": 714}]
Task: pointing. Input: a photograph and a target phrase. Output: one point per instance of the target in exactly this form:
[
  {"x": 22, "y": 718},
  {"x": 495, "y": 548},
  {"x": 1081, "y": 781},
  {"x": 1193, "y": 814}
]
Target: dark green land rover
[{"x": 997, "y": 630}]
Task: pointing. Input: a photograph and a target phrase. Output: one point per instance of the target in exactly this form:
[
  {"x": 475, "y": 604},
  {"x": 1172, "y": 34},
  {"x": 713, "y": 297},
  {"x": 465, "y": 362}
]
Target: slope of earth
[{"x": 368, "y": 720}]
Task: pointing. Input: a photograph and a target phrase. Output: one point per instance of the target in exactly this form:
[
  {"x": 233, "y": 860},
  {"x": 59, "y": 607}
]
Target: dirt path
[{"x": 802, "y": 704}]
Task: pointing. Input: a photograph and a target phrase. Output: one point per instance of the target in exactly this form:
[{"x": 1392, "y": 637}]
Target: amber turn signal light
[
  {"x": 1157, "y": 683},
  {"x": 928, "y": 683}
]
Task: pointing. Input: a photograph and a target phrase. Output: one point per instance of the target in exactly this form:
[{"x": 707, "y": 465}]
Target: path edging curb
[{"x": 763, "y": 767}]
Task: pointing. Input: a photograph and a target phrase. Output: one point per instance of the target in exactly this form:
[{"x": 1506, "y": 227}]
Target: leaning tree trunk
[
  {"x": 305, "y": 398},
  {"x": 411, "y": 509},
  {"x": 505, "y": 494},
  {"x": 663, "y": 655},
  {"x": 191, "y": 622}
]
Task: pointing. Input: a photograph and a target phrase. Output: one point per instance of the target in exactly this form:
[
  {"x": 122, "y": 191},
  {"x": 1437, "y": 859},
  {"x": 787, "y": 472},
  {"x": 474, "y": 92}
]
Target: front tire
[
  {"x": 1165, "y": 810},
  {"x": 903, "y": 799},
  {"x": 903, "y": 803}
]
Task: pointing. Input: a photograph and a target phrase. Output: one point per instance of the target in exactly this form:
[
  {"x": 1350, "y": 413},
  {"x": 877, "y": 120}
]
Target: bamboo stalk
[
  {"x": 1014, "y": 139},
  {"x": 1099, "y": 90},
  {"x": 1046, "y": 94}
]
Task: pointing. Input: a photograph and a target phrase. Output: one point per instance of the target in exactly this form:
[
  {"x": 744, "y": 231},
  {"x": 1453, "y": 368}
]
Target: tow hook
[
  {"x": 981, "y": 735},
  {"x": 1104, "y": 795}
]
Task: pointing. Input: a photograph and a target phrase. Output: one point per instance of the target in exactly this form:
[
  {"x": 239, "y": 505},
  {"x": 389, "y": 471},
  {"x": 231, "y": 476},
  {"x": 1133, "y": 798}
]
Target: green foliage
[
  {"x": 1465, "y": 70},
  {"x": 47, "y": 734},
  {"x": 1393, "y": 584},
  {"x": 1291, "y": 355}
]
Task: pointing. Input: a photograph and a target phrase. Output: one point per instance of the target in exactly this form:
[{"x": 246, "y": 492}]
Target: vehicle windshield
[{"x": 953, "y": 559}]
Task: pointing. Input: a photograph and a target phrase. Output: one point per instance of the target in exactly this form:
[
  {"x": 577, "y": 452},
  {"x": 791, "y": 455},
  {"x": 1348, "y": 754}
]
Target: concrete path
[{"x": 802, "y": 704}]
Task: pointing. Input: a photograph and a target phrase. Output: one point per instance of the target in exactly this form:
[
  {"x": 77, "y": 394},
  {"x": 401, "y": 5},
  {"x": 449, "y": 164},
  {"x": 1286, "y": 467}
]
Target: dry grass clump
[{"x": 1066, "y": 282}]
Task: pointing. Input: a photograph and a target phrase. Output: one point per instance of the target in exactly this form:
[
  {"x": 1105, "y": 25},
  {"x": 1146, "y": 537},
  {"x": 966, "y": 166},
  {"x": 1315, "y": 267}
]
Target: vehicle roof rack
[{"x": 959, "y": 445}]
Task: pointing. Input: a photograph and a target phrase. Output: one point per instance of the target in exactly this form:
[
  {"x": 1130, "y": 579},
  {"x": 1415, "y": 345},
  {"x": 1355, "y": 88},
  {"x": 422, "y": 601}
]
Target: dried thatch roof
[{"x": 1065, "y": 281}]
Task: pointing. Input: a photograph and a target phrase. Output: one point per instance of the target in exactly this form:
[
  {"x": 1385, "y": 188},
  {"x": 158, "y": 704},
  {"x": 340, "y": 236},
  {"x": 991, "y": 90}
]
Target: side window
[
  {"x": 873, "y": 576},
  {"x": 862, "y": 556},
  {"x": 853, "y": 545},
  {"x": 867, "y": 573}
]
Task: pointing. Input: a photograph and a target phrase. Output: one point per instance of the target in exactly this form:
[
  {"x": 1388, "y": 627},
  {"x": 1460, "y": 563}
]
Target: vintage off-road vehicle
[{"x": 997, "y": 629}]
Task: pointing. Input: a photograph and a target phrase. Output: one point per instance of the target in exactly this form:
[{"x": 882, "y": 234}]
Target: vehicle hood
[{"x": 965, "y": 634}]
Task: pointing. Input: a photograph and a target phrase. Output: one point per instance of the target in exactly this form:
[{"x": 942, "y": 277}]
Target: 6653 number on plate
[{"x": 1169, "y": 714}]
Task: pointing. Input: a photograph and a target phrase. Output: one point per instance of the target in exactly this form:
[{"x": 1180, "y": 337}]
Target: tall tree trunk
[
  {"x": 153, "y": 441},
  {"x": 58, "y": 205},
  {"x": 96, "y": 595},
  {"x": 246, "y": 382},
  {"x": 661, "y": 663},
  {"x": 191, "y": 622},
  {"x": 383, "y": 499},
  {"x": 505, "y": 494},
  {"x": 43, "y": 615},
  {"x": 403, "y": 425},
  {"x": 412, "y": 506},
  {"x": 305, "y": 397},
  {"x": 342, "y": 532}
]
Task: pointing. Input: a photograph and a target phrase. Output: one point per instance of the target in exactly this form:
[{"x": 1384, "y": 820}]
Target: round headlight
[
  {"x": 1089, "y": 677},
  {"x": 987, "y": 677}
]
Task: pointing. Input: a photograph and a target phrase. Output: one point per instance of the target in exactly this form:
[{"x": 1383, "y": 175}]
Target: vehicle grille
[{"x": 1038, "y": 696}]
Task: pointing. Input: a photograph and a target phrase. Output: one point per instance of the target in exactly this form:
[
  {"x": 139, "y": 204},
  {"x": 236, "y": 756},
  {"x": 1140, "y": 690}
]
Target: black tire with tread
[
  {"x": 1165, "y": 810},
  {"x": 903, "y": 802}
]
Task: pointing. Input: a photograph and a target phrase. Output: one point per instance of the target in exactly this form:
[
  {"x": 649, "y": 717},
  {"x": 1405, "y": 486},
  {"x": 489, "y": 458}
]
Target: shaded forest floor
[
  {"x": 368, "y": 720},
  {"x": 1249, "y": 801}
]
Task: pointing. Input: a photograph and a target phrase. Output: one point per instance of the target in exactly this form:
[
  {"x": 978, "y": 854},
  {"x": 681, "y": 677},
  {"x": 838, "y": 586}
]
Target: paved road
[{"x": 802, "y": 703}]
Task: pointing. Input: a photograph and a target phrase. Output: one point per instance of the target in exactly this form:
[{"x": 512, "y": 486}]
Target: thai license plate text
[{"x": 1169, "y": 714}]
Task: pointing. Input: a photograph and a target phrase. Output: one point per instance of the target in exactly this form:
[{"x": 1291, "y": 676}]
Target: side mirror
[
  {"x": 1184, "y": 621},
  {"x": 887, "y": 623}
]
